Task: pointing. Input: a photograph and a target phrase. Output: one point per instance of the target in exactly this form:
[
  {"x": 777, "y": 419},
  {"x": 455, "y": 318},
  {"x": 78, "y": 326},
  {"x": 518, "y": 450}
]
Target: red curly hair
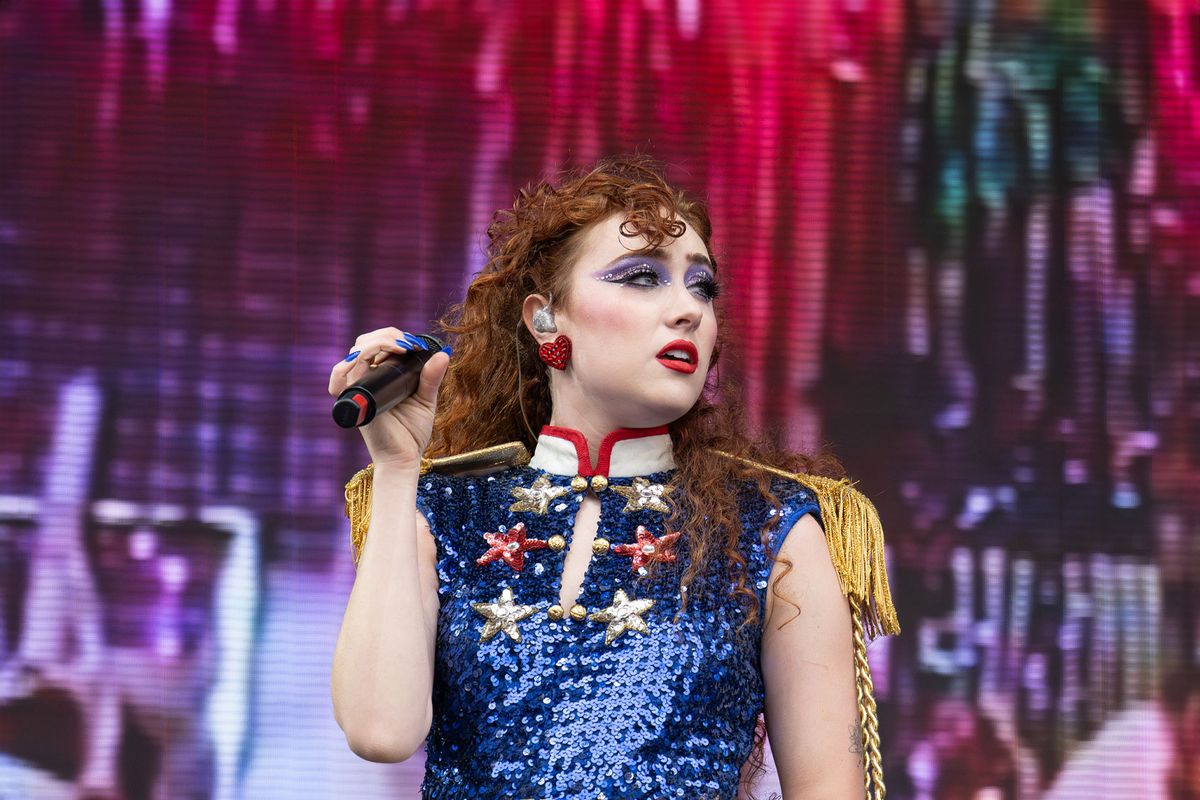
[{"x": 531, "y": 248}]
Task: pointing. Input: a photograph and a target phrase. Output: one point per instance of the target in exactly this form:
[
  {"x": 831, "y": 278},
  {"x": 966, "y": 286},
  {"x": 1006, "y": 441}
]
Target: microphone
[{"x": 391, "y": 381}]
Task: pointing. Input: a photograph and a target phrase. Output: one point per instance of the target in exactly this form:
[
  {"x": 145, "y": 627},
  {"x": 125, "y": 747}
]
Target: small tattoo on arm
[{"x": 856, "y": 738}]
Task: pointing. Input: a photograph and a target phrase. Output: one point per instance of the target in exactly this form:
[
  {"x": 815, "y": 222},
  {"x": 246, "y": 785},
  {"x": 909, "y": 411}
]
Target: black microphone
[{"x": 394, "y": 379}]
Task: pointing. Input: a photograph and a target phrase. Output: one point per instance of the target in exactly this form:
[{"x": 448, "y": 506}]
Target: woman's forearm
[{"x": 382, "y": 677}]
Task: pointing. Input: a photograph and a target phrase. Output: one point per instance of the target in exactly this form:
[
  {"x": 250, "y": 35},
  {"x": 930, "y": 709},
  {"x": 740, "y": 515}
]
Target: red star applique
[
  {"x": 510, "y": 546},
  {"x": 648, "y": 548}
]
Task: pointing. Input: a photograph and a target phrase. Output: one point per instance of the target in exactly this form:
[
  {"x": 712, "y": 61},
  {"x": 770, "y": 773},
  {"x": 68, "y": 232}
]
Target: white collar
[{"x": 623, "y": 453}]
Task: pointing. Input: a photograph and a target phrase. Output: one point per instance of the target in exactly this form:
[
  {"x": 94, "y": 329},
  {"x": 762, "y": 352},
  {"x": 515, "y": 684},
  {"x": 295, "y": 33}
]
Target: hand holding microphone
[{"x": 387, "y": 387}]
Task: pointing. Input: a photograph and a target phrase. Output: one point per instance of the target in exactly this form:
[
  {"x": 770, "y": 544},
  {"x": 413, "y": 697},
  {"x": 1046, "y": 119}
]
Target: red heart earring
[{"x": 556, "y": 353}]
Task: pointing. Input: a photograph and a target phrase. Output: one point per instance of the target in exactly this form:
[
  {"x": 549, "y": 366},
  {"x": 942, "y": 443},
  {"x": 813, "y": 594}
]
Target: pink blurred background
[{"x": 959, "y": 243}]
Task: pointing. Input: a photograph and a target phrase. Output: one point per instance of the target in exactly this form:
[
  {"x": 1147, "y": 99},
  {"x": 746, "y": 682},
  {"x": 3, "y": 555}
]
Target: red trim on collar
[{"x": 604, "y": 456}]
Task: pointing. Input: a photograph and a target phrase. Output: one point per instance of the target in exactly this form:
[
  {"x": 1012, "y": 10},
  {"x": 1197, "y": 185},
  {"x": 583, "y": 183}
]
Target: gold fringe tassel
[
  {"x": 358, "y": 509},
  {"x": 358, "y": 505}
]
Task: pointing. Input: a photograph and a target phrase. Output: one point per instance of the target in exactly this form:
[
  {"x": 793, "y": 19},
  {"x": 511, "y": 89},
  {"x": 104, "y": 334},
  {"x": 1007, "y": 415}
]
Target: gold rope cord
[{"x": 872, "y": 759}]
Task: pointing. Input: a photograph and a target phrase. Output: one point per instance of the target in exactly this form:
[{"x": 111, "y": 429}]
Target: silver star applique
[
  {"x": 502, "y": 614},
  {"x": 644, "y": 495},
  {"x": 537, "y": 497},
  {"x": 623, "y": 615}
]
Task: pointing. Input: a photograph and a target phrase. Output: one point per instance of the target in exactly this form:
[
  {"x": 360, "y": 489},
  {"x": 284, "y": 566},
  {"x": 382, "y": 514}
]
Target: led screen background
[{"x": 958, "y": 242}]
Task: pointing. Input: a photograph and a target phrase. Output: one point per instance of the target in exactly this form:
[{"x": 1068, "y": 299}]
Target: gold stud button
[
  {"x": 555, "y": 612},
  {"x": 600, "y": 546},
  {"x": 599, "y": 483},
  {"x": 578, "y": 483},
  {"x": 578, "y": 612},
  {"x": 556, "y": 542}
]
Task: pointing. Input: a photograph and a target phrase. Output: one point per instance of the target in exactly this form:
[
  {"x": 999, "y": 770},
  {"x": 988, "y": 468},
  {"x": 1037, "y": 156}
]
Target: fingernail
[
  {"x": 447, "y": 350},
  {"x": 352, "y": 356},
  {"x": 412, "y": 342}
]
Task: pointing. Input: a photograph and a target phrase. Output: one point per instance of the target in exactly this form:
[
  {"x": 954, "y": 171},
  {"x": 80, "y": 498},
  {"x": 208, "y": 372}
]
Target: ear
[{"x": 532, "y": 303}]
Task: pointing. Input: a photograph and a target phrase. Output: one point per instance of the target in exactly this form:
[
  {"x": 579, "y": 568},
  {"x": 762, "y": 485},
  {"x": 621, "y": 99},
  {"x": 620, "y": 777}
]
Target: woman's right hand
[{"x": 400, "y": 435}]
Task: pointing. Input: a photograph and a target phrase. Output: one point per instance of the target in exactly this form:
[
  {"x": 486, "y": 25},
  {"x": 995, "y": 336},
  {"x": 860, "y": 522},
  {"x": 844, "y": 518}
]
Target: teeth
[{"x": 677, "y": 354}]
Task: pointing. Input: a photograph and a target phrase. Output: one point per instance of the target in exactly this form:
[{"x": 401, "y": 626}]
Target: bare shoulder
[
  {"x": 808, "y": 672},
  {"x": 804, "y": 574}
]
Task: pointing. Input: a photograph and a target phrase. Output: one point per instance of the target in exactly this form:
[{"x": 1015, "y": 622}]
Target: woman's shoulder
[{"x": 853, "y": 532}]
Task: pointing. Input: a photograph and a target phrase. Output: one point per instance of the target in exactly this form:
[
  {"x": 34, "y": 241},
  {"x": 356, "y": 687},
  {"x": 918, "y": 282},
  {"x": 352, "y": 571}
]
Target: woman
[{"x": 599, "y": 618}]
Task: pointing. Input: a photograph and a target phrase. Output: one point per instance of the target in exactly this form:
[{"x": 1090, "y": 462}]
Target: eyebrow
[{"x": 660, "y": 253}]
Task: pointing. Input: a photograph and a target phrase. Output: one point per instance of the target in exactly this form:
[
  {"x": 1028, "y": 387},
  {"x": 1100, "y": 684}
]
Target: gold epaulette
[
  {"x": 358, "y": 488},
  {"x": 854, "y": 535}
]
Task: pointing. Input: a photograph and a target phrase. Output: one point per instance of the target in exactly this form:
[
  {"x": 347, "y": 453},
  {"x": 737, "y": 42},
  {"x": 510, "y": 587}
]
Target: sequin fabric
[{"x": 525, "y": 706}]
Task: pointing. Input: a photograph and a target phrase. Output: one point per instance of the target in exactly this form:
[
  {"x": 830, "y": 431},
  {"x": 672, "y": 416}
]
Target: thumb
[{"x": 431, "y": 377}]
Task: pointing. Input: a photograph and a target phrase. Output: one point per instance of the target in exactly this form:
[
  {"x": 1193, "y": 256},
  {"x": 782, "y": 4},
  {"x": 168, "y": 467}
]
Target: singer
[{"x": 578, "y": 574}]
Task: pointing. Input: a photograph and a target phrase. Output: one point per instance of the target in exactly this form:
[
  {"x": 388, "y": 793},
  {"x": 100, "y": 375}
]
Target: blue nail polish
[
  {"x": 411, "y": 342},
  {"x": 352, "y": 356},
  {"x": 447, "y": 350}
]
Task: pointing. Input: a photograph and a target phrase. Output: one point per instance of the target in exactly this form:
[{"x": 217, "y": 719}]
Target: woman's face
[{"x": 625, "y": 310}]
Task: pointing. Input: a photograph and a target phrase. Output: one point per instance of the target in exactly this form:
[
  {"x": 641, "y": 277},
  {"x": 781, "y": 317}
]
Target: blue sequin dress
[{"x": 633, "y": 700}]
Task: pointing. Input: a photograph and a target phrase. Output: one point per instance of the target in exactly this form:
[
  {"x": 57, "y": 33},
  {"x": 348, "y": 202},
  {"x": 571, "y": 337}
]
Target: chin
[{"x": 667, "y": 412}]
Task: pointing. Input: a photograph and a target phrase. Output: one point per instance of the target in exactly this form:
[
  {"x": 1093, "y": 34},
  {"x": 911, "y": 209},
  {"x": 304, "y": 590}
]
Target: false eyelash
[{"x": 712, "y": 289}]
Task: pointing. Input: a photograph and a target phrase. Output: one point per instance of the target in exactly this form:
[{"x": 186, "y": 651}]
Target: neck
[
  {"x": 591, "y": 421},
  {"x": 594, "y": 433},
  {"x": 571, "y": 408}
]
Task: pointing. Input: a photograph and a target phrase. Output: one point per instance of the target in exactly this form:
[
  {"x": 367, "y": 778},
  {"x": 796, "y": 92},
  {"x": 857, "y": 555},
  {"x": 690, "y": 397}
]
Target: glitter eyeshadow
[{"x": 630, "y": 267}]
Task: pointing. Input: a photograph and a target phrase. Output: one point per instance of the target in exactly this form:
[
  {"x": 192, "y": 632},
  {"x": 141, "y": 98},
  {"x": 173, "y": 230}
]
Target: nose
[{"x": 686, "y": 308}]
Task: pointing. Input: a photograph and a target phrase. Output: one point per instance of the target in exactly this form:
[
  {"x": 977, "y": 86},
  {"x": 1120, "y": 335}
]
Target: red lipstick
[{"x": 685, "y": 357}]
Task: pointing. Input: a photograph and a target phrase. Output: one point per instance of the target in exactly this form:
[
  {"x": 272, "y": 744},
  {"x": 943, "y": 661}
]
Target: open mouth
[{"x": 679, "y": 355}]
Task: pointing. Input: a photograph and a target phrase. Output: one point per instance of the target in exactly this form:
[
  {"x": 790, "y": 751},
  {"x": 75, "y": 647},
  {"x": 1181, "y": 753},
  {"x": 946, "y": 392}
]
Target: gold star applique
[
  {"x": 644, "y": 495},
  {"x": 623, "y": 615},
  {"x": 537, "y": 497},
  {"x": 502, "y": 614}
]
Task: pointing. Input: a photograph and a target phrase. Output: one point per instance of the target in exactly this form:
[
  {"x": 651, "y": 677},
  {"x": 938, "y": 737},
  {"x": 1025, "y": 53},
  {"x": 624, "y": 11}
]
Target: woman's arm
[
  {"x": 382, "y": 678},
  {"x": 808, "y": 669}
]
